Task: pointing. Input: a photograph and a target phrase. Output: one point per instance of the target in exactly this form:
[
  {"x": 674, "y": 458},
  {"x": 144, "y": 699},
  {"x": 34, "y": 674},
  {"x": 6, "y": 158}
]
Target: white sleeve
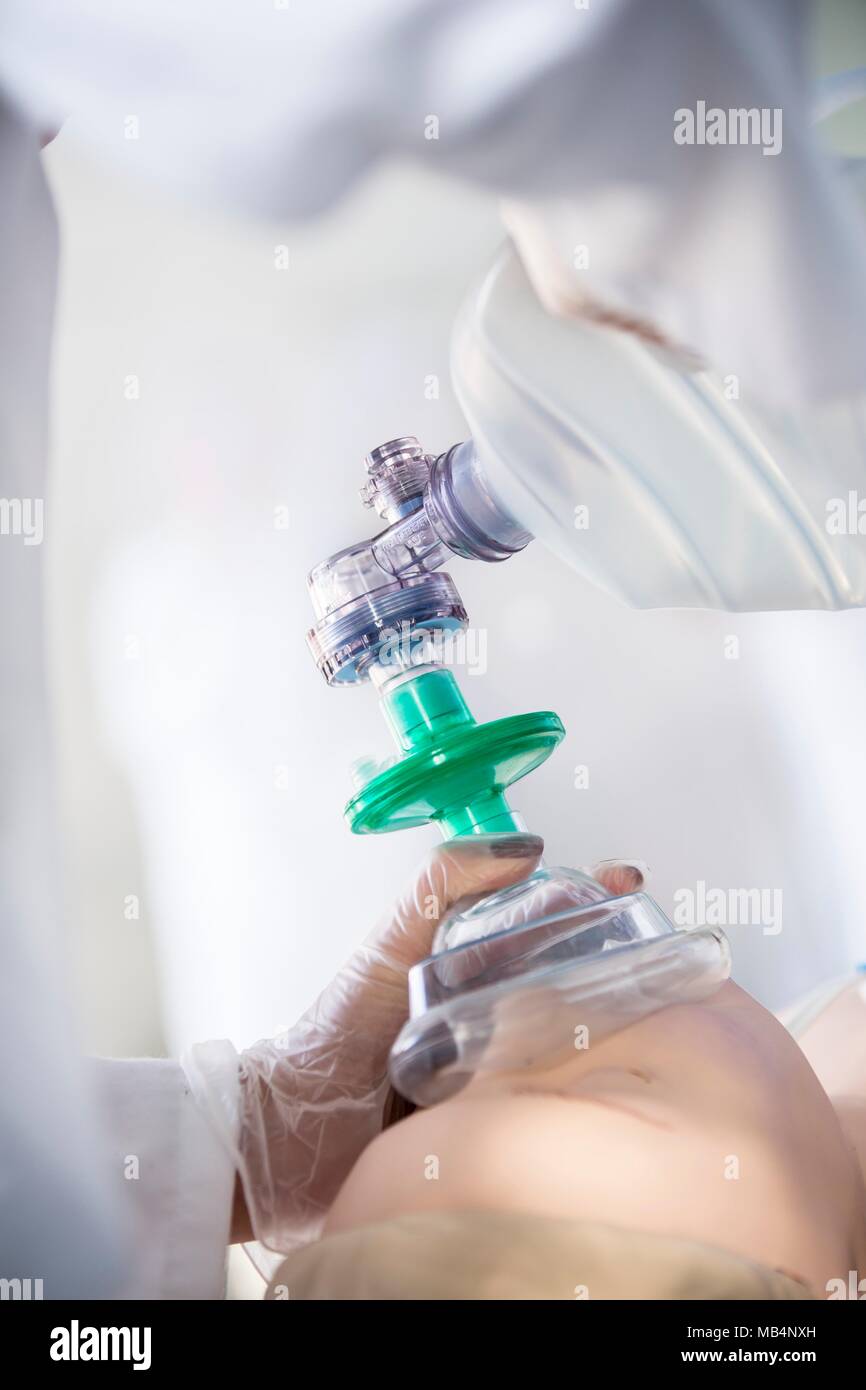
[
  {"x": 136, "y": 1199},
  {"x": 173, "y": 1171}
]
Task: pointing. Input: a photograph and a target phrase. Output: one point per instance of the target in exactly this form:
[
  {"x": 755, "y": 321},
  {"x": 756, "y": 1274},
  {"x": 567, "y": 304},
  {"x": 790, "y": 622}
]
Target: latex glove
[{"x": 313, "y": 1098}]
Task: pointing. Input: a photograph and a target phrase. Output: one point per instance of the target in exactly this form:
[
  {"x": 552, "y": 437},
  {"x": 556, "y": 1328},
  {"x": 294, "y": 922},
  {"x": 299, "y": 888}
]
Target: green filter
[{"x": 451, "y": 771}]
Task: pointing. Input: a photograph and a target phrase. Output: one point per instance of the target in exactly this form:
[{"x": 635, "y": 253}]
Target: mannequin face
[{"x": 703, "y": 1121}]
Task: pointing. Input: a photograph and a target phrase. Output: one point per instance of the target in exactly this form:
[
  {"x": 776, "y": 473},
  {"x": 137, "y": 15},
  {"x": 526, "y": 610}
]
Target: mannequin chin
[{"x": 702, "y": 1121}]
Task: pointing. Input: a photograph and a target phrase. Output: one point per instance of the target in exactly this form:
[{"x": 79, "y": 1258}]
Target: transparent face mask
[{"x": 524, "y": 978}]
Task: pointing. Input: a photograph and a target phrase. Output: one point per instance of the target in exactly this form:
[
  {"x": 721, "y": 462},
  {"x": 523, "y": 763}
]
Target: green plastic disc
[{"x": 458, "y": 778}]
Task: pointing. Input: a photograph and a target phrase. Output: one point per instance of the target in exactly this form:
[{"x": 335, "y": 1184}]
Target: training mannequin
[{"x": 703, "y": 1122}]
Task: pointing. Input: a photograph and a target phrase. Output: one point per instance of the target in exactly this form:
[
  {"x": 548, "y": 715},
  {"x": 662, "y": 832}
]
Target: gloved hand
[{"x": 313, "y": 1098}]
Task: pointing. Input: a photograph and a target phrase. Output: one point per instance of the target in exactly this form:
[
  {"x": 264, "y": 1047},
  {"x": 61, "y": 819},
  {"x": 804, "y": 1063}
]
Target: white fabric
[
  {"x": 68, "y": 1216},
  {"x": 756, "y": 261},
  {"x": 172, "y": 1170},
  {"x": 56, "y": 1223}
]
